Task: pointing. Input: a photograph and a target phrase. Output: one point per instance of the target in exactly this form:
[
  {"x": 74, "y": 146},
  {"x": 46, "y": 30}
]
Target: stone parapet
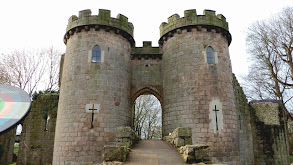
[
  {"x": 209, "y": 20},
  {"x": 85, "y": 20},
  {"x": 146, "y": 52}
]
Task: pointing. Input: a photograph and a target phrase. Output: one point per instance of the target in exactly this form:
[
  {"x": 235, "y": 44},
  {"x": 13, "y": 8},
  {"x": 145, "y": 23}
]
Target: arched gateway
[{"x": 190, "y": 73}]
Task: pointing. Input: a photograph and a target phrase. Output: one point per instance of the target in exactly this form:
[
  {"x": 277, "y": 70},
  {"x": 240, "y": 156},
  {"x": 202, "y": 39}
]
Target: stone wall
[
  {"x": 146, "y": 72},
  {"x": 37, "y": 139},
  {"x": 270, "y": 134},
  {"x": 105, "y": 86},
  {"x": 192, "y": 87},
  {"x": 7, "y": 141},
  {"x": 244, "y": 127}
]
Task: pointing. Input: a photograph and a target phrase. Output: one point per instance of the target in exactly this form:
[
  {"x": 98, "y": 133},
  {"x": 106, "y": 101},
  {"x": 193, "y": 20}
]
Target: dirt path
[{"x": 154, "y": 152}]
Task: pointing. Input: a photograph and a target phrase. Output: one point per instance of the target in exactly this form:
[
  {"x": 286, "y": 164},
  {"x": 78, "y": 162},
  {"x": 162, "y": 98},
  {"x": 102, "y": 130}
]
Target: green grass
[
  {"x": 8, "y": 163},
  {"x": 16, "y": 148},
  {"x": 291, "y": 158}
]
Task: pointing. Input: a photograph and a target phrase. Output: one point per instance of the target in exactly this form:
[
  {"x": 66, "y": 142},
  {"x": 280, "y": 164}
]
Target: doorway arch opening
[{"x": 147, "y": 115}]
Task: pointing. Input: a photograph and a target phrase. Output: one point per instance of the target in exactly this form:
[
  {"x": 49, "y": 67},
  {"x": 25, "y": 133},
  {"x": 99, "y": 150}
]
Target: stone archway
[{"x": 147, "y": 91}]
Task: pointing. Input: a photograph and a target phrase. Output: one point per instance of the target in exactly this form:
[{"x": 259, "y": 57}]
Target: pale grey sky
[{"x": 35, "y": 24}]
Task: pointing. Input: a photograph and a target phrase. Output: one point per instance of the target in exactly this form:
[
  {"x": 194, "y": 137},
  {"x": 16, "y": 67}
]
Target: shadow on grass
[{"x": 8, "y": 163}]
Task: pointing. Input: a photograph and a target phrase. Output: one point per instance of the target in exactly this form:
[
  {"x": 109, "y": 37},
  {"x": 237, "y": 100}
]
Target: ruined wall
[
  {"x": 7, "y": 141},
  {"x": 37, "y": 139},
  {"x": 244, "y": 127},
  {"x": 270, "y": 134}
]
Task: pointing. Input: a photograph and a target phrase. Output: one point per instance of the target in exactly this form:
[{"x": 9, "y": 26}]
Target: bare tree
[
  {"x": 148, "y": 117},
  {"x": 270, "y": 46},
  {"x": 51, "y": 79},
  {"x": 31, "y": 70},
  {"x": 4, "y": 76}
]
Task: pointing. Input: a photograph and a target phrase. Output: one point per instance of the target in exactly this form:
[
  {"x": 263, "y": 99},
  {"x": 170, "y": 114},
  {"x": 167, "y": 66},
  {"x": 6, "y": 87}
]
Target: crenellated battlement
[
  {"x": 146, "y": 52},
  {"x": 208, "y": 20},
  {"x": 103, "y": 20}
]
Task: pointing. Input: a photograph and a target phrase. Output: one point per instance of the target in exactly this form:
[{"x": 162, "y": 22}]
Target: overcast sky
[{"x": 36, "y": 24}]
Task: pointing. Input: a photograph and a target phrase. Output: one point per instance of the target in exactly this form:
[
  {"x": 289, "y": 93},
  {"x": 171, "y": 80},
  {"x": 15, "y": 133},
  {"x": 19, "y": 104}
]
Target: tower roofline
[
  {"x": 103, "y": 20},
  {"x": 208, "y": 20}
]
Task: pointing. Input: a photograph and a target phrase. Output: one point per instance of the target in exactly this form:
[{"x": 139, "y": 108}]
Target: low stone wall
[
  {"x": 114, "y": 154},
  {"x": 181, "y": 136},
  {"x": 195, "y": 153},
  {"x": 181, "y": 139},
  {"x": 126, "y": 137},
  {"x": 117, "y": 154}
]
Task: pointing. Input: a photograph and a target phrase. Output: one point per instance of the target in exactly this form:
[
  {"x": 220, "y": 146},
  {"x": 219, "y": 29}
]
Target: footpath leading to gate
[{"x": 154, "y": 152}]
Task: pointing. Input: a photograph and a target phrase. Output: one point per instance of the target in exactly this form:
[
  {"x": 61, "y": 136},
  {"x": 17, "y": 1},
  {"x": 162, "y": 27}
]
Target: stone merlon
[
  {"x": 146, "y": 52},
  {"x": 85, "y": 20},
  {"x": 209, "y": 20}
]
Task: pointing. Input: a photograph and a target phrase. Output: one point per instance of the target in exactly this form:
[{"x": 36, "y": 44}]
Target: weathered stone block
[
  {"x": 201, "y": 152},
  {"x": 178, "y": 142},
  {"x": 182, "y": 131},
  {"x": 189, "y": 150},
  {"x": 127, "y": 144},
  {"x": 115, "y": 153},
  {"x": 195, "y": 153},
  {"x": 167, "y": 139},
  {"x": 188, "y": 141},
  {"x": 188, "y": 158},
  {"x": 124, "y": 132}
]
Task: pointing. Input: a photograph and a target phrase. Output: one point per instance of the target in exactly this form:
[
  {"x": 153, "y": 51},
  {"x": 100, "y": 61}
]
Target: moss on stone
[
  {"x": 104, "y": 18},
  {"x": 190, "y": 18}
]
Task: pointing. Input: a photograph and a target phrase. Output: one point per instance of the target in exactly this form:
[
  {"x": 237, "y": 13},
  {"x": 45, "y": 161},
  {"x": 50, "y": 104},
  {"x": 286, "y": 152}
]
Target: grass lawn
[
  {"x": 291, "y": 158},
  {"x": 16, "y": 148}
]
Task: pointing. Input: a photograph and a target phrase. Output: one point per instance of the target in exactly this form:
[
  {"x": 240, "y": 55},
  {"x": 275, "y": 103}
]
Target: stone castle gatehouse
[{"x": 103, "y": 72}]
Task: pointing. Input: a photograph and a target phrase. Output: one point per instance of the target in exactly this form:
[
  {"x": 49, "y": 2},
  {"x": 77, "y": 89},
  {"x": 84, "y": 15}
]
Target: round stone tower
[
  {"x": 197, "y": 82},
  {"x": 94, "y": 96}
]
